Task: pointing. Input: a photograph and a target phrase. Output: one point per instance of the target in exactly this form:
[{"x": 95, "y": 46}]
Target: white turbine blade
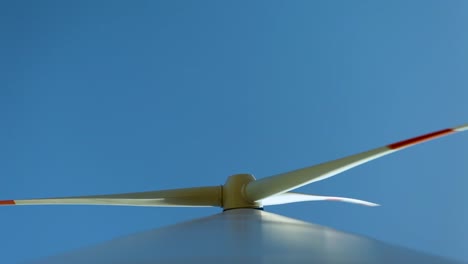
[
  {"x": 198, "y": 196},
  {"x": 266, "y": 187},
  {"x": 290, "y": 197}
]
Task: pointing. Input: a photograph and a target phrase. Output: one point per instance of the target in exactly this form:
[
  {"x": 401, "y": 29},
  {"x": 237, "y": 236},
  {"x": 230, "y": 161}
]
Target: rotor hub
[{"x": 234, "y": 192}]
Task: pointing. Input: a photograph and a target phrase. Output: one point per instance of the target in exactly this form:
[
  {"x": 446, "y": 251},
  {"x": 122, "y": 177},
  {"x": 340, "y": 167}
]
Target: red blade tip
[
  {"x": 7, "y": 202},
  {"x": 420, "y": 139}
]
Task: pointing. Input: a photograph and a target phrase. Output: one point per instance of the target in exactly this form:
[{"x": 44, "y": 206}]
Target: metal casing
[{"x": 245, "y": 236}]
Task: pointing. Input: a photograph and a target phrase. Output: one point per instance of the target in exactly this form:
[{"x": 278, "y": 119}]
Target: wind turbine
[{"x": 242, "y": 233}]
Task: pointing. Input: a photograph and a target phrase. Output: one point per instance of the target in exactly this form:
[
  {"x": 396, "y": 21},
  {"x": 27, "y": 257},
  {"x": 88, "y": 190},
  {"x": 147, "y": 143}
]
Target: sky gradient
[{"x": 106, "y": 97}]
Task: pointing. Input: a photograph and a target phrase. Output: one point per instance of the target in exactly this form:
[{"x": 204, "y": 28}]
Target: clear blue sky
[{"x": 102, "y": 97}]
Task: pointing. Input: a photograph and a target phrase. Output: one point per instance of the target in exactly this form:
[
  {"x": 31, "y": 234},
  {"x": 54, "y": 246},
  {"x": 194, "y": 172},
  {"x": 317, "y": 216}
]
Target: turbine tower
[{"x": 241, "y": 233}]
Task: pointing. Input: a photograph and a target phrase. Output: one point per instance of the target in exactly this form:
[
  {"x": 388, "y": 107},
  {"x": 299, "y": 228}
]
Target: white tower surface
[{"x": 248, "y": 236}]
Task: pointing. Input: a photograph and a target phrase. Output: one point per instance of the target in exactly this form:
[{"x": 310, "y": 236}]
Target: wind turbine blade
[
  {"x": 290, "y": 197},
  {"x": 198, "y": 196},
  {"x": 281, "y": 183}
]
